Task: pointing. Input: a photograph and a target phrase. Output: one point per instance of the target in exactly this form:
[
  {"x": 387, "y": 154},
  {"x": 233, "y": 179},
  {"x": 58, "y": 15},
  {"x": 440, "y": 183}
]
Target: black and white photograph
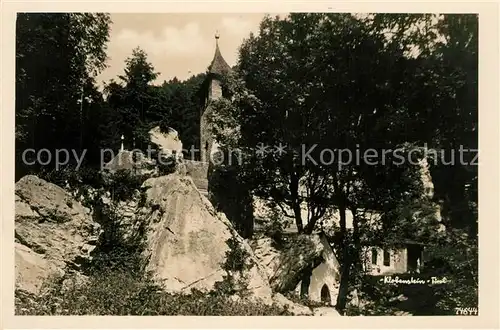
[{"x": 246, "y": 164}]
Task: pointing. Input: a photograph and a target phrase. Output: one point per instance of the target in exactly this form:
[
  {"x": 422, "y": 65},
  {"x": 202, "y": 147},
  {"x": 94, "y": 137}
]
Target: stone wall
[{"x": 206, "y": 136}]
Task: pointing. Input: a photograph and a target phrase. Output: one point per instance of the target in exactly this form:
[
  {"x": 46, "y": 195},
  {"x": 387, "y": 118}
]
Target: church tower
[{"x": 213, "y": 86}]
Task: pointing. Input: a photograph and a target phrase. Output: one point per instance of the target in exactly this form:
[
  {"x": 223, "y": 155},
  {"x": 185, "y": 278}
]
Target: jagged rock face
[
  {"x": 284, "y": 268},
  {"x": 52, "y": 229},
  {"x": 186, "y": 244},
  {"x": 186, "y": 241},
  {"x": 268, "y": 255}
]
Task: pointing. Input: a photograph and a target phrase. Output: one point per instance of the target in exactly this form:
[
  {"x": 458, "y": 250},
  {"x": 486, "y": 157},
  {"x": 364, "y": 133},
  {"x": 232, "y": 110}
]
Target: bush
[
  {"x": 235, "y": 256},
  {"x": 123, "y": 185},
  {"x": 167, "y": 164},
  {"x": 119, "y": 292}
]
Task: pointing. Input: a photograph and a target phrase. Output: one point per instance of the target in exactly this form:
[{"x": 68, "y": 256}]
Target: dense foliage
[{"x": 357, "y": 83}]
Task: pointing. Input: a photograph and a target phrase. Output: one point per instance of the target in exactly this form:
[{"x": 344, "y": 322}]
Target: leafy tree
[
  {"x": 140, "y": 105},
  {"x": 57, "y": 56},
  {"x": 182, "y": 109},
  {"x": 445, "y": 47},
  {"x": 336, "y": 82},
  {"x": 133, "y": 97}
]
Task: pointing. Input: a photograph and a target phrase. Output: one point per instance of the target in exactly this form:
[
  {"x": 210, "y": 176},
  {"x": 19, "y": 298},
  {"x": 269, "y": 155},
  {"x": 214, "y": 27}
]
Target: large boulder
[
  {"x": 268, "y": 255},
  {"x": 33, "y": 270},
  {"x": 186, "y": 239},
  {"x": 52, "y": 231},
  {"x": 188, "y": 244}
]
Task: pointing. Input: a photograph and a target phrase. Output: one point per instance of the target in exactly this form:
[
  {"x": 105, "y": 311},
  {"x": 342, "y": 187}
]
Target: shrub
[
  {"x": 235, "y": 256},
  {"x": 85, "y": 176},
  {"x": 123, "y": 185},
  {"x": 119, "y": 292},
  {"x": 115, "y": 251},
  {"x": 167, "y": 164}
]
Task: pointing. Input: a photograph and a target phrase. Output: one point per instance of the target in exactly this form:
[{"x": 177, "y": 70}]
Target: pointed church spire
[{"x": 219, "y": 65}]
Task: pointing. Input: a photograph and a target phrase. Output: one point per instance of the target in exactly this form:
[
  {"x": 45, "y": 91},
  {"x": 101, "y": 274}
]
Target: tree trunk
[
  {"x": 346, "y": 263},
  {"x": 297, "y": 211},
  {"x": 356, "y": 254},
  {"x": 305, "y": 282},
  {"x": 308, "y": 229}
]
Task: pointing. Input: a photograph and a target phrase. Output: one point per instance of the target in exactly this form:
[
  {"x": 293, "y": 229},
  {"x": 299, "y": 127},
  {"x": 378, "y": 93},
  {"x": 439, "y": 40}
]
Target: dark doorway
[
  {"x": 387, "y": 258},
  {"x": 325, "y": 294},
  {"x": 414, "y": 257},
  {"x": 374, "y": 256}
]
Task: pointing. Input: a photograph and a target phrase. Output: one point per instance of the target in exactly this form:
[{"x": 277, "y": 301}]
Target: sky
[{"x": 177, "y": 44}]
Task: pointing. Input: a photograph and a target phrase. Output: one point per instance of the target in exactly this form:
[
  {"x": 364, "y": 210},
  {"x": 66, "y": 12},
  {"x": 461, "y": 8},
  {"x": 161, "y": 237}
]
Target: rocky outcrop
[
  {"x": 168, "y": 142},
  {"x": 186, "y": 238},
  {"x": 198, "y": 171},
  {"x": 52, "y": 231},
  {"x": 187, "y": 243},
  {"x": 268, "y": 255}
]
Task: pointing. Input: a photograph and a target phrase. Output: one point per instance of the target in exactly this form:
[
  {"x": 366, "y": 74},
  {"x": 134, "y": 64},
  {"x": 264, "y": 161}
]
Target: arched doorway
[{"x": 325, "y": 294}]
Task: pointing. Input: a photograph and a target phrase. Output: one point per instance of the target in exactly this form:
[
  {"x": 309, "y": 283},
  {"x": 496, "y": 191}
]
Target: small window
[
  {"x": 387, "y": 258},
  {"x": 374, "y": 256}
]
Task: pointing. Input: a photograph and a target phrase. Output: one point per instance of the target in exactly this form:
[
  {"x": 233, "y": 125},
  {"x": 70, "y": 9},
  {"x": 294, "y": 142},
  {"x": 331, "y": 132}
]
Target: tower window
[{"x": 387, "y": 258}]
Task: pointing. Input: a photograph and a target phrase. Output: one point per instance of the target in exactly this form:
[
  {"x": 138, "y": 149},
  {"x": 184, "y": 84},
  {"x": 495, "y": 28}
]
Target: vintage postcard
[{"x": 261, "y": 162}]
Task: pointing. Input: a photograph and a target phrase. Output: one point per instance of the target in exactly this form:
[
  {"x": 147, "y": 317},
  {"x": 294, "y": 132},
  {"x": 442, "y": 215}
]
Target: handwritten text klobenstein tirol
[{"x": 412, "y": 280}]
